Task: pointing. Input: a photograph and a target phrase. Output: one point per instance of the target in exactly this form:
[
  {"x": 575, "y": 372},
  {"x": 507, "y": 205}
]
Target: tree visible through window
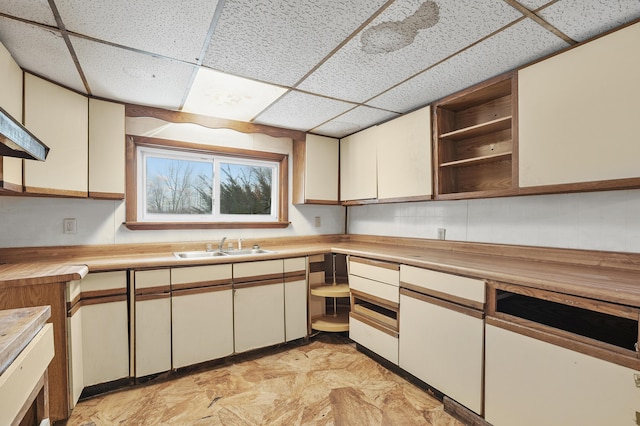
[{"x": 185, "y": 186}]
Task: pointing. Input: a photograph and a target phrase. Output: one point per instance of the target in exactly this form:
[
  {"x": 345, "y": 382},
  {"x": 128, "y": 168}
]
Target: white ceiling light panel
[{"x": 226, "y": 96}]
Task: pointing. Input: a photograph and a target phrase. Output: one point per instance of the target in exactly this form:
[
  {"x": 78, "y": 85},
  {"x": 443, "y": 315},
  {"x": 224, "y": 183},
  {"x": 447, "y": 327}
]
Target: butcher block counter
[{"x": 26, "y": 348}]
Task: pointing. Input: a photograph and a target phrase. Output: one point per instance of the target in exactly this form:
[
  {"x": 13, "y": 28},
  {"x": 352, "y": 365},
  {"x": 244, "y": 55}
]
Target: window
[{"x": 182, "y": 185}]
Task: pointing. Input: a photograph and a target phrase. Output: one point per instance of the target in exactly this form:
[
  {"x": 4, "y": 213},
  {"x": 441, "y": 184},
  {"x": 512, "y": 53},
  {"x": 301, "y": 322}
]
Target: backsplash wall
[{"x": 607, "y": 220}]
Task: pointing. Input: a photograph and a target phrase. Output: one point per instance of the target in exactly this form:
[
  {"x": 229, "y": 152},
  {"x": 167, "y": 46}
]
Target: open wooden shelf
[
  {"x": 330, "y": 323},
  {"x": 338, "y": 290},
  {"x": 475, "y": 140}
]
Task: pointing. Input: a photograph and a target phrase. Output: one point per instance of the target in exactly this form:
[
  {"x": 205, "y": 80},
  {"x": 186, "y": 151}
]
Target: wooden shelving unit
[
  {"x": 475, "y": 140},
  {"x": 334, "y": 289}
]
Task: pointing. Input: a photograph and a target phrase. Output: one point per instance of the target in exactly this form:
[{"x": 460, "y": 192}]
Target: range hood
[{"x": 17, "y": 141}]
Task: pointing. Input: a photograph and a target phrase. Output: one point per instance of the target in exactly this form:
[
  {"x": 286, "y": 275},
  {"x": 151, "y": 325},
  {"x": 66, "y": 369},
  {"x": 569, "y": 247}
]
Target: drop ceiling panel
[
  {"x": 497, "y": 54},
  {"x": 176, "y": 29},
  {"x": 535, "y": 4},
  {"x": 354, "y": 120},
  {"x": 352, "y": 74},
  {"x": 34, "y": 10},
  {"x": 127, "y": 76},
  {"x": 301, "y": 111},
  {"x": 582, "y": 20},
  {"x": 40, "y": 51},
  {"x": 281, "y": 40}
]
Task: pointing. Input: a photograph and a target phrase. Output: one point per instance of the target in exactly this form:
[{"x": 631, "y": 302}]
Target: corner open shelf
[
  {"x": 475, "y": 140},
  {"x": 335, "y": 317}
]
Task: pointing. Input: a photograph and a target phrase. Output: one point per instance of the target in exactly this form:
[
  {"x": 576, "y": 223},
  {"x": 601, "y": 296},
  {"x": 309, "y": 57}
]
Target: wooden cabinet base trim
[
  {"x": 10, "y": 187},
  {"x": 200, "y": 290},
  {"x": 55, "y": 192},
  {"x": 106, "y": 195},
  {"x": 153, "y": 290},
  {"x": 258, "y": 283},
  {"x": 212, "y": 283},
  {"x": 154, "y": 296},
  {"x": 266, "y": 277}
]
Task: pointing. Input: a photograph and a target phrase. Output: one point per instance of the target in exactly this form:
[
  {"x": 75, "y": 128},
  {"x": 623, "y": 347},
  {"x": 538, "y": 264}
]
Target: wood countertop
[
  {"x": 17, "y": 328},
  {"x": 32, "y": 273},
  {"x": 607, "y": 276}
]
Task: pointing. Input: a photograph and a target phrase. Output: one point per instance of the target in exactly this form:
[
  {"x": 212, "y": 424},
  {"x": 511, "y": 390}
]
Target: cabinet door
[
  {"x": 258, "y": 316},
  {"x": 316, "y": 170},
  {"x": 202, "y": 321},
  {"x": 11, "y": 102},
  {"x": 404, "y": 156},
  {"x": 58, "y": 117},
  {"x": 76, "y": 361},
  {"x": 531, "y": 382},
  {"x": 578, "y": 113},
  {"x": 358, "y": 166},
  {"x": 106, "y": 149},
  {"x": 105, "y": 342},
  {"x": 295, "y": 298},
  {"x": 152, "y": 322},
  {"x": 443, "y": 348}
]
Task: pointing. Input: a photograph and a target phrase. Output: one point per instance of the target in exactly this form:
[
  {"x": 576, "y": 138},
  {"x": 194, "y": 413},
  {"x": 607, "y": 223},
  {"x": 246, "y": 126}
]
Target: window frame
[{"x": 132, "y": 221}]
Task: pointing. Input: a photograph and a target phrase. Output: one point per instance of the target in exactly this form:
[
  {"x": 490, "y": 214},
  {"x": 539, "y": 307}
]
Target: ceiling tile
[
  {"x": 301, "y": 111},
  {"x": 52, "y": 60},
  {"x": 176, "y": 29},
  {"x": 34, "y": 10},
  {"x": 281, "y": 40},
  {"x": 355, "y": 75},
  {"x": 581, "y": 20},
  {"x": 127, "y": 76},
  {"x": 534, "y": 4},
  {"x": 352, "y": 121},
  {"x": 499, "y": 53}
]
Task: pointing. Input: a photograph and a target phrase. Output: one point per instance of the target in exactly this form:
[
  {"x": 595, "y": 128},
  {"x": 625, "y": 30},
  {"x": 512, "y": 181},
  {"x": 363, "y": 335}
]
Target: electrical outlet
[
  {"x": 69, "y": 225},
  {"x": 318, "y": 221},
  {"x": 442, "y": 233}
]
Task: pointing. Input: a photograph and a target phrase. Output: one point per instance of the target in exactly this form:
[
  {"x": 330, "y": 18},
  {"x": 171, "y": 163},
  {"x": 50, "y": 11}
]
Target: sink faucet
[
  {"x": 240, "y": 243},
  {"x": 221, "y": 243}
]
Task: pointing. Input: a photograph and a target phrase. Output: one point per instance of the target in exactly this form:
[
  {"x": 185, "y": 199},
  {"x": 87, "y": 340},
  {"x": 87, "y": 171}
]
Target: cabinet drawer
[
  {"x": 296, "y": 264},
  {"x": 207, "y": 275},
  {"x": 384, "y": 272},
  {"x": 374, "y": 339},
  {"x": 253, "y": 271},
  {"x": 375, "y": 288},
  {"x": 153, "y": 278},
  {"x": 440, "y": 284},
  {"x": 116, "y": 280}
]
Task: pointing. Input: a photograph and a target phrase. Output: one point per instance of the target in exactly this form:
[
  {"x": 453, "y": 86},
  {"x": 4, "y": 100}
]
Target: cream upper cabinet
[
  {"x": 358, "y": 175},
  {"x": 578, "y": 113},
  {"x": 316, "y": 164},
  {"x": 11, "y": 102},
  {"x": 404, "y": 156},
  {"x": 58, "y": 117},
  {"x": 106, "y": 149}
]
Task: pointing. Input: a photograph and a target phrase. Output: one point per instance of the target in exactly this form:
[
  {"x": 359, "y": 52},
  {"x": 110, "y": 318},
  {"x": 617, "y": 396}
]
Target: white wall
[
  {"x": 599, "y": 220},
  {"x": 31, "y": 221}
]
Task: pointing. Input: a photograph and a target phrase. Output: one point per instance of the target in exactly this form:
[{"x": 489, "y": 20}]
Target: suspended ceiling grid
[{"x": 347, "y": 64}]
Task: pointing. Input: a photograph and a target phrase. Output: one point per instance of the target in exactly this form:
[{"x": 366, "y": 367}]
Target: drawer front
[
  {"x": 116, "y": 280},
  {"x": 375, "y": 288},
  {"x": 374, "y": 270},
  {"x": 373, "y": 339},
  {"x": 439, "y": 282},
  {"x": 153, "y": 278},
  {"x": 197, "y": 274},
  {"x": 259, "y": 269},
  {"x": 296, "y": 264}
]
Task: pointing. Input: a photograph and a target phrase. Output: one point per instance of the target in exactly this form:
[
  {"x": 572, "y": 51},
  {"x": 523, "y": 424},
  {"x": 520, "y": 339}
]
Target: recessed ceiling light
[{"x": 222, "y": 95}]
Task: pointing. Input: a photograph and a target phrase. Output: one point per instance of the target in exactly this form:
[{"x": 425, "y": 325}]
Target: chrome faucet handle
[{"x": 221, "y": 243}]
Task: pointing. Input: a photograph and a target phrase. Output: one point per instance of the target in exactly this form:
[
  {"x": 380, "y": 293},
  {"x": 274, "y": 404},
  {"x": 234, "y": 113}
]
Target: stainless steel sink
[
  {"x": 245, "y": 252},
  {"x": 204, "y": 254},
  {"x": 198, "y": 254}
]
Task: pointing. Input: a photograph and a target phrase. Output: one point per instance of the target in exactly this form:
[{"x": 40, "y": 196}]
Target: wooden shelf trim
[
  {"x": 503, "y": 123},
  {"x": 478, "y": 160}
]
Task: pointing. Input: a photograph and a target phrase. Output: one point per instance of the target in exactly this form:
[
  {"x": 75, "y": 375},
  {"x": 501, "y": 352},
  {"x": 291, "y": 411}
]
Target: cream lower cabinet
[
  {"x": 531, "y": 382},
  {"x": 152, "y": 322},
  {"x": 373, "y": 320},
  {"x": 442, "y": 342},
  {"x": 201, "y": 314},
  {"x": 258, "y": 304},
  {"x": 295, "y": 298},
  {"x": 98, "y": 324}
]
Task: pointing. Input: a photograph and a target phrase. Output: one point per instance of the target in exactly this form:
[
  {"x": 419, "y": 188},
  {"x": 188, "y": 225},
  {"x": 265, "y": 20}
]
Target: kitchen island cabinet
[
  {"x": 258, "y": 304},
  {"x": 58, "y": 117},
  {"x": 582, "y": 105},
  {"x": 201, "y": 314}
]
